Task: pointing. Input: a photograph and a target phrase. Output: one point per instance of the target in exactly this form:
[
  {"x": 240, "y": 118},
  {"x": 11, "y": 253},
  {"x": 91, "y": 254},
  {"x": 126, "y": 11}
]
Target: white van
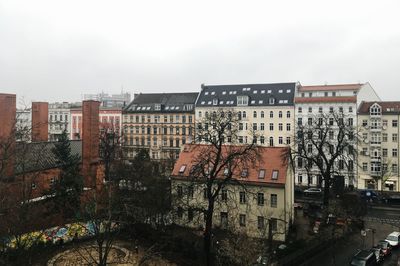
[{"x": 393, "y": 239}]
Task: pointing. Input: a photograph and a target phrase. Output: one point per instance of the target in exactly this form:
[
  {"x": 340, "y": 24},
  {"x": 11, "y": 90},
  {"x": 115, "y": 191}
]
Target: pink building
[{"x": 109, "y": 118}]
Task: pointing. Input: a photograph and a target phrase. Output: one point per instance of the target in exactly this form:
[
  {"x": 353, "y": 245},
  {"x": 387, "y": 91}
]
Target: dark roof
[
  {"x": 258, "y": 94},
  {"x": 36, "y": 156},
  {"x": 168, "y": 102},
  {"x": 387, "y": 107}
]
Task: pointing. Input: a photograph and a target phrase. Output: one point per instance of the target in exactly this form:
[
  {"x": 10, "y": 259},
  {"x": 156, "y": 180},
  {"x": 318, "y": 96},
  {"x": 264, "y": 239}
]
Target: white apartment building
[
  {"x": 311, "y": 101},
  {"x": 266, "y": 109},
  {"x": 23, "y": 124},
  {"x": 59, "y": 119},
  {"x": 378, "y": 157}
]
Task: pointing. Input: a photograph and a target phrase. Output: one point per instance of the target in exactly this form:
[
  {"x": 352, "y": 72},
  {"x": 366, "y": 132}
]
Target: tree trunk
[
  {"x": 326, "y": 190},
  {"x": 208, "y": 232}
]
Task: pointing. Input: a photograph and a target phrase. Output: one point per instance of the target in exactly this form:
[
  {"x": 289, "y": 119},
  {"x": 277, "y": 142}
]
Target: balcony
[{"x": 375, "y": 173}]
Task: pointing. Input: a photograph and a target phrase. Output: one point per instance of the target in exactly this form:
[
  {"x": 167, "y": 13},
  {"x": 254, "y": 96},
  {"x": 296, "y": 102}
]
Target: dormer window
[
  {"x": 245, "y": 173},
  {"x": 375, "y": 110},
  {"x": 158, "y": 107},
  {"x": 213, "y": 93},
  {"x": 242, "y": 100},
  {"x": 261, "y": 174},
  {"x": 215, "y": 101},
  {"x": 206, "y": 93},
  {"x": 275, "y": 174},
  {"x": 271, "y": 101}
]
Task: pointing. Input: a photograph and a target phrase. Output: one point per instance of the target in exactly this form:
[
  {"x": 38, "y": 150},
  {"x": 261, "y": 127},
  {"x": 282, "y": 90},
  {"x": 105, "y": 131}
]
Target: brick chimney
[
  {"x": 90, "y": 141},
  {"x": 8, "y": 114},
  {"x": 40, "y": 121}
]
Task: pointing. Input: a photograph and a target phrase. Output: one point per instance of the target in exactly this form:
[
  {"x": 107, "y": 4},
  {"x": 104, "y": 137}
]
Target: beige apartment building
[
  {"x": 378, "y": 157},
  {"x": 265, "y": 109},
  {"x": 160, "y": 123},
  {"x": 261, "y": 196}
]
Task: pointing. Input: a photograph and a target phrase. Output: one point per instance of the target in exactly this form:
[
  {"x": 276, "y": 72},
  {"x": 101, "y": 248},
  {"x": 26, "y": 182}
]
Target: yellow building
[
  {"x": 160, "y": 123},
  {"x": 255, "y": 198}
]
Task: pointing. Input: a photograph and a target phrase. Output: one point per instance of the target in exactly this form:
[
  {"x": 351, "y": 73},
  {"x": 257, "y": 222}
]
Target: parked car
[
  {"x": 378, "y": 254},
  {"x": 364, "y": 258},
  {"x": 370, "y": 195},
  {"x": 386, "y": 247},
  {"x": 312, "y": 192},
  {"x": 393, "y": 239}
]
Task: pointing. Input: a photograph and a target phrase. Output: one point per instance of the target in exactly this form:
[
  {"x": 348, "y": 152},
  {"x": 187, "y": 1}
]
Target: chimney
[
  {"x": 40, "y": 121},
  {"x": 8, "y": 112},
  {"x": 90, "y": 141}
]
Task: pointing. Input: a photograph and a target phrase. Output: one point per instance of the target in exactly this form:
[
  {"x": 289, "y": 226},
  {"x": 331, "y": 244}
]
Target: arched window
[
  {"x": 200, "y": 114},
  {"x": 240, "y": 115},
  {"x": 271, "y": 141},
  {"x": 375, "y": 110},
  {"x": 255, "y": 114},
  {"x": 288, "y": 114},
  {"x": 271, "y": 114},
  {"x": 280, "y": 114},
  {"x": 262, "y": 114},
  {"x": 244, "y": 114}
]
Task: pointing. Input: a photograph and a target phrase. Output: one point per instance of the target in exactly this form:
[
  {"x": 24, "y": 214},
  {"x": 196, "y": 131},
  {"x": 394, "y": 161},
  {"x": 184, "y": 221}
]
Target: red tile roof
[
  {"x": 387, "y": 107},
  {"x": 270, "y": 158},
  {"x": 341, "y": 99},
  {"x": 336, "y": 87}
]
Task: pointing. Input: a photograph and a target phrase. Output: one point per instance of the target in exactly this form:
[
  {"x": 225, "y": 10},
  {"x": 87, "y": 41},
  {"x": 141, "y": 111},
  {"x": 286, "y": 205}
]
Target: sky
[{"x": 59, "y": 50}]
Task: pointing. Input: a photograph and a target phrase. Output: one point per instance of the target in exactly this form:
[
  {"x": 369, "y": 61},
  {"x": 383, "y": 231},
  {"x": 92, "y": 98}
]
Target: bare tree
[
  {"x": 218, "y": 159},
  {"x": 325, "y": 148}
]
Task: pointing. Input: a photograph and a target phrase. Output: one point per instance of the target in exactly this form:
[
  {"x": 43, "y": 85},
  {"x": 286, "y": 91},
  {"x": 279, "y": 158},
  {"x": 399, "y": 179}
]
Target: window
[
  {"x": 274, "y": 200},
  {"x": 394, "y": 168},
  {"x": 262, "y": 126},
  {"x": 365, "y": 167},
  {"x": 242, "y": 220},
  {"x": 274, "y": 224},
  {"x": 394, "y": 152},
  {"x": 310, "y": 121},
  {"x": 331, "y": 109},
  {"x": 33, "y": 185},
  {"x": 300, "y": 121},
  {"x": 242, "y": 100},
  {"x": 280, "y": 114},
  {"x": 309, "y": 148},
  {"x": 254, "y": 126},
  {"x": 271, "y": 126},
  {"x": 190, "y": 192},
  {"x": 271, "y": 141},
  {"x": 365, "y": 123},
  {"x": 275, "y": 174},
  {"x": 255, "y": 114},
  {"x": 262, "y": 114},
  {"x": 224, "y": 219},
  {"x": 310, "y": 109},
  {"x": 331, "y": 121},
  {"x": 288, "y": 114},
  {"x": 182, "y": 169},
  {"x": 350, "y": 109},
  {"x": 260, "y": 199},
  {"x": 394, "y": 123},
  {"x": 244, "y": 114},
  {"x": 394, "y": 137},
  {"x": 340, "y": 109},
  {"x": 261, "y": 174},
  {"x": 375, "y": 110},
  {"x": 245, "y": 173},
  {"x": 179, "y": 191},
  {"x": 260, "y": 222},
  {"x": 384, "y": 152},
  {"x": 271, "y": 101},
  {"x": 280, "y": 126},
  {"x": 242, "y": 197},
  {"x": 320, "y": 109},
  {"x": 300, "y": 162},
  {"x": 288, "y": 140},
  {"x": 224, "y": 195},
  {"x": 350, "y": 165},
  {"x": 288, "y": 127},
  {"x": 271, "y": 114},
  {"x": 384, "y": 137},
  {"x": 300, "y": 110},
  {"x": 180, "y": 212}
]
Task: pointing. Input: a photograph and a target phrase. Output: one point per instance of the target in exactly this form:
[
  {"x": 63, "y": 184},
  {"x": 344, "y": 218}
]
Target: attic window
[
  {"x": 213, "y": 93},
  {"x": 203, "y": 102},
  {"x": 261, "y": 174},
  {"x": 158, "y": 107},
  {"x": 177, "y": 108},
  {"x": 262, "y": 91},
  {"x": 253, "y": 102},
  {"x": 275, "y": 174},
  {"x": 167, "y": 108},
  {"x": 288, "y": 91},
  {"x": 206, "y": 93},
  {"x": 245, "y": 172},
  {"x": 215, "y": 101},
  {"x": 172, "y": 107},
  {"x": 221, "y": 102},
  {"x": 209, "y": 102},
  {"x": 233, "y": 92},
  {"x": 255, "y": 91},
  {"x": 280, "y": 91},
  {"x": 148, "y": 108},
  {"x": 271, "y": 101},
  {"x": 182, "y": 169},
  {"x": 224, "y": 92},
  {"x": 269, "y": 91},
  {"x": 260, "y": 101}
]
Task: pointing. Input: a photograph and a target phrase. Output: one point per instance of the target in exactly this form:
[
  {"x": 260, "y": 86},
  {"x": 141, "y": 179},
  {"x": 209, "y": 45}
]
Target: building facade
[
  {"x": 160, "y": 123},
  {"x": 110, "y": 118},
  {"x": 263, "y": 196},
  {"x": 59, "y": 119},
  {"x": 265, "y": 110},
  {"x": 378, "y": 157},
  {"x": 312, "y": 102}
]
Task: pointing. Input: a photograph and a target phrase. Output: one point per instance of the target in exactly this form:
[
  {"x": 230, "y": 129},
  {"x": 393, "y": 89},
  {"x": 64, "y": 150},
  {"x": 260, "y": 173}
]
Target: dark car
[
  {"x": 313, "y": 192},
  {"x": 364, "y": 258},
  {"x": 369, "y": 195},
  {"x": 386, "y": 247},
  {"x": 378, "y": 254}
]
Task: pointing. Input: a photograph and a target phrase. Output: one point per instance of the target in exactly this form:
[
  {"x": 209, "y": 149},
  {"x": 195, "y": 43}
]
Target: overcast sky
[{"x": 58, "y": 50}]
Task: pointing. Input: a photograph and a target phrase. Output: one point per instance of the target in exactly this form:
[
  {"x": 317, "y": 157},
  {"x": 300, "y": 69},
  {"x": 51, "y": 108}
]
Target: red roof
[
  {"x": 387, "y": 107},
  {"x": 337, "y": 87},
  {"x": 339, "y": 99},
  {"x": 270, "y": 159}
]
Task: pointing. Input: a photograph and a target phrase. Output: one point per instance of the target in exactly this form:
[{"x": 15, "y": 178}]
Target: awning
[{"x": 389, "y": 182}]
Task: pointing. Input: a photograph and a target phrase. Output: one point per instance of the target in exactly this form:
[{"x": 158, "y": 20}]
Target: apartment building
[
  {"x": 59, "y": 119},
  {"x": 23, "y": 124},
  {"x": 311, "y": 102},
  {"x": 260, "y": 196},
  {"x": 110, "y": 100},
  {"x": 110, "y": 118},
  {"x": 160, "y": 123},
  {"x": 378, "y": 158},
  {"x": 265, "y": 109}
]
